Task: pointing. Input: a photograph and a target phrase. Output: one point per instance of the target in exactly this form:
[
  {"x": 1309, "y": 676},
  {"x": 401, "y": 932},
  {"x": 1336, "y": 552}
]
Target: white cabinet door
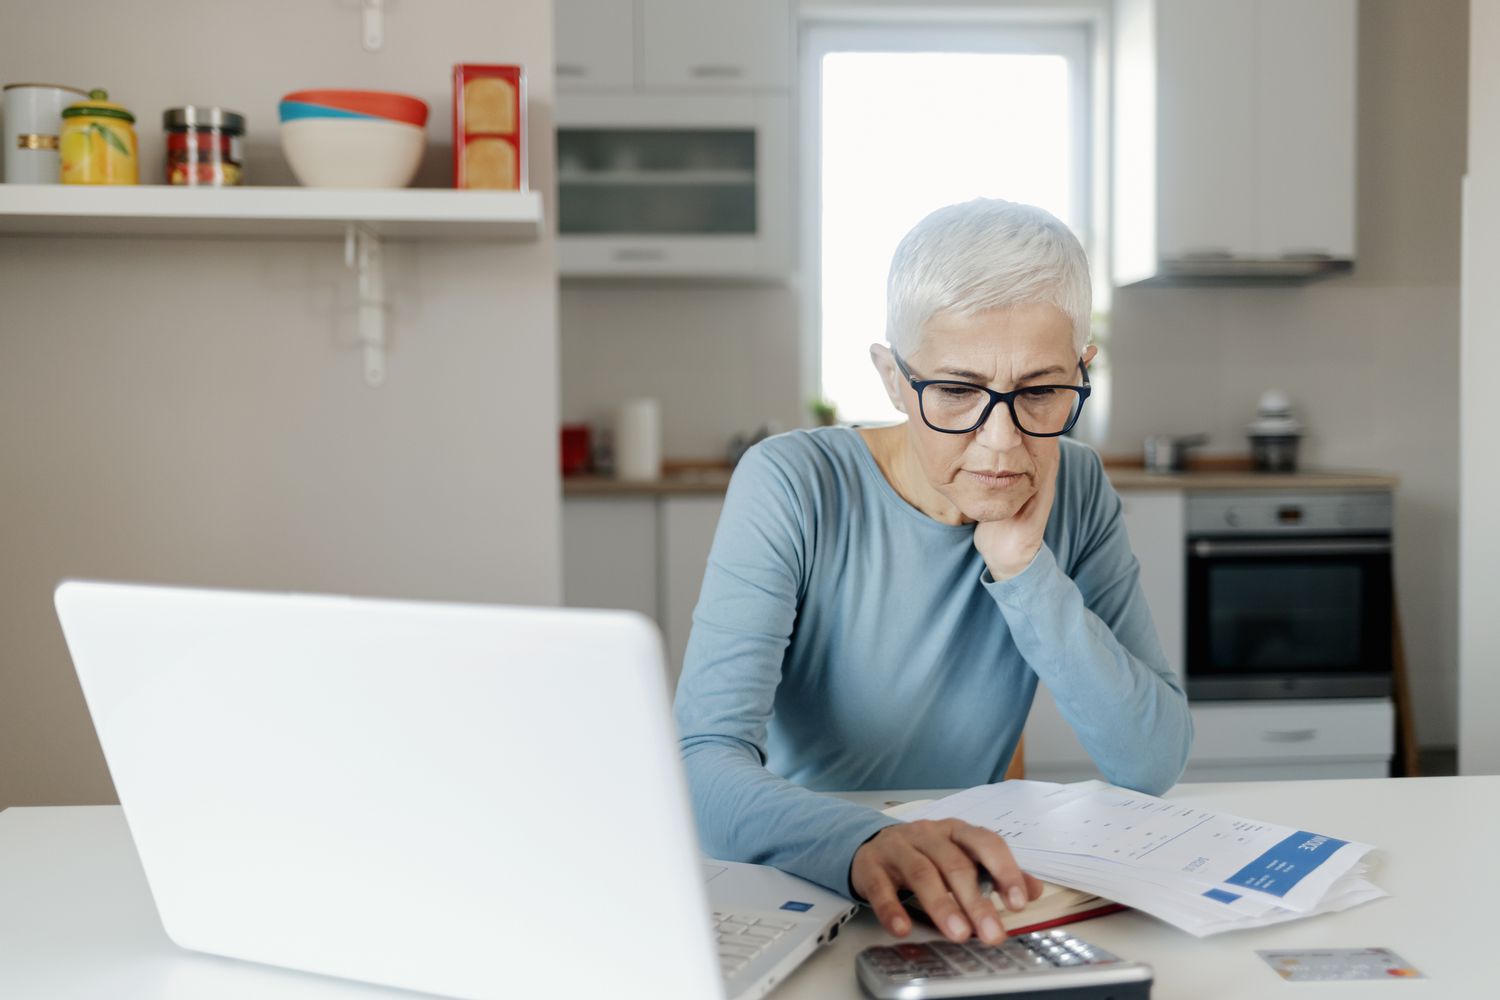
[
  {"x": 1155, "y": 520},
  {"x": 716, "y": 44},
  {"x": 1206, "y": 151},
  {"x": 610, "y": 553},
  {"x": 595, "y": 44},
  {"x": 1304, "y": 126},
  {"x": 687, "y": 532}
]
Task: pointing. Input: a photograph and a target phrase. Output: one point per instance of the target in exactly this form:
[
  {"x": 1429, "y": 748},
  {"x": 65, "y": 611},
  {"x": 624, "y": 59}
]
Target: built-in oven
[{"x": 1288, "y": 595}]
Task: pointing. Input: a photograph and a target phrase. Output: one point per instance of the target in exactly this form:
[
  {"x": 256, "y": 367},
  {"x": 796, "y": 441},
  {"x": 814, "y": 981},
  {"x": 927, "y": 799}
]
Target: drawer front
[
  {"x": 1313, "y": 729},
  {"x": 1231, "y": 733}
]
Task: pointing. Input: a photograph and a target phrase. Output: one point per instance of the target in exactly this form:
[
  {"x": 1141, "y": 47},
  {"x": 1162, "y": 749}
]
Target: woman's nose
[{"x": 999, "y": 431}]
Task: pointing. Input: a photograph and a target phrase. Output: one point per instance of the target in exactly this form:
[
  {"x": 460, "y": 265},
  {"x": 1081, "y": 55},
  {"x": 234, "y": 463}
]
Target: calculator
[{"x": 1050, "y": 964}]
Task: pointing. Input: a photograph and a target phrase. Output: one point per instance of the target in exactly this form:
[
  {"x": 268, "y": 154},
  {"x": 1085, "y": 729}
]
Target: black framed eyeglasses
[{"x": 961, "y": 407}]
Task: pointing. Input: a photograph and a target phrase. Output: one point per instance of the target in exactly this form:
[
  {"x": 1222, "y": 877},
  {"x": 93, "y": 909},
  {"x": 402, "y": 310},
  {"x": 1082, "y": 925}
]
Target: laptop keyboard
[{"x": 743, "y": 936}]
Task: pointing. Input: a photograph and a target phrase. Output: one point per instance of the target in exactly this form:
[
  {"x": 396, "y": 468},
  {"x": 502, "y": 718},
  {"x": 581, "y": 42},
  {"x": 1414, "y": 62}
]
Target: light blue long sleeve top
[{"x": 845, "y": 640}]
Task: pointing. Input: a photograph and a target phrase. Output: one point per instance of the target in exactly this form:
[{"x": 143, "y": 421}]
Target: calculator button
[
  {"x": 937, "y": 972},
  {"x": 998, "y": 960},
  {"x": 1017, "y": 951}
]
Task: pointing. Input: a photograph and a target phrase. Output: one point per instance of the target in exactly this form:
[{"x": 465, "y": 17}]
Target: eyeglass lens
[{"x": 954, "y": 406}]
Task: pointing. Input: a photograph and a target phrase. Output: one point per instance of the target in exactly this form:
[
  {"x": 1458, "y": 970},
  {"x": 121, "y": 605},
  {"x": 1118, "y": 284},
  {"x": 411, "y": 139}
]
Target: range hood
[
  {"x": 1228, "y": 269},
  {"x": 1233, "y": 141}
]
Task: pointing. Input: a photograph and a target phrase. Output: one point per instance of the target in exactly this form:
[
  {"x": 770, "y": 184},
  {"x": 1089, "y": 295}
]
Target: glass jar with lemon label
[{"x": 98, "y": 143}]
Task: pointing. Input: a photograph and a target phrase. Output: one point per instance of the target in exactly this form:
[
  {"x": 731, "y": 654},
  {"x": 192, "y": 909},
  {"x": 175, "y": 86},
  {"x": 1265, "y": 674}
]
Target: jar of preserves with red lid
[{"x": 204, "y": 146}]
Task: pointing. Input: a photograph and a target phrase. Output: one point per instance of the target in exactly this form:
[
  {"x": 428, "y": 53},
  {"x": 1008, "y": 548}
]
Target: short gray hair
[{"x": 985, "y": 254}]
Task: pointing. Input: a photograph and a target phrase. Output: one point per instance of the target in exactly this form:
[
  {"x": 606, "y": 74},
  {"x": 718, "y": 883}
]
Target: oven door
[{"x": 1289, "y": 617}]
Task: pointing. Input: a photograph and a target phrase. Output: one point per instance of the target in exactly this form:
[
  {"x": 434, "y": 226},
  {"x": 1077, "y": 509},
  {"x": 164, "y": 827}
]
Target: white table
[{"x": 77, "y": 921}]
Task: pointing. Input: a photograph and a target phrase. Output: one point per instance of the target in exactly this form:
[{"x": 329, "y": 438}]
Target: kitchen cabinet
[
  {"x": 674, "y": 45},
  {"x": 1252, "y": 741},
  {"x": 679, "y": 186},
  {"x": 1234, "y": 139},
  {"x": 641, "y": 553},
  {"x": 1155, "y": 521},
  {"x": 716, "y": 44},
  {"x": 1287, "y": 740},
  {"x": 687, "y": 525},
  {"x": 609, "y": 553},
  {"x": 674, "y": 138},
  {"x": 595, "y": 44}
]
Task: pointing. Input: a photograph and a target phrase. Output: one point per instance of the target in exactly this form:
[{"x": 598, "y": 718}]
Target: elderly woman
[{"x": 881, "y": 603}]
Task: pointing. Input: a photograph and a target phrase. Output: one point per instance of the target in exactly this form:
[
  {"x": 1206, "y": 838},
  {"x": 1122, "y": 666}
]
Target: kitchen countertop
[{"x": 712, "y": 482}]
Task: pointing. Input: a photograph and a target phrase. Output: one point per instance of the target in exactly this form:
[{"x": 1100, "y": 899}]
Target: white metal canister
[{"x": 33, "y": 121}]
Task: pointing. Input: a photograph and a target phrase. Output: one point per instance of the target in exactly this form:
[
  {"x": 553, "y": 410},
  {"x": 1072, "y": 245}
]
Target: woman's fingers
[
  {"x": 921, "y": 875},
  {"x": 880, "y": 893},
  {"x": 1015, "y": 887},
  {"x": 939, "y": 862},
  {"x": 961, "y": 873}
]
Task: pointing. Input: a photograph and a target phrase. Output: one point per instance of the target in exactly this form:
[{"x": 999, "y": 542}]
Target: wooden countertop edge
[{"x": 714, "y": 484}]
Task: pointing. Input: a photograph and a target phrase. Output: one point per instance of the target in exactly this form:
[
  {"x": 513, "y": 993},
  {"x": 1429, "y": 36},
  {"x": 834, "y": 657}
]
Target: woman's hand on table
[
  {"x": 939, "y": 861},
  {"x": 1008, "y": 546}
]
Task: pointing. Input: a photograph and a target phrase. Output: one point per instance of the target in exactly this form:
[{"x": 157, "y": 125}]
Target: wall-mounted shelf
[
  {"x": 362, "y": 219},
  {"x": 267, "y": 213}
]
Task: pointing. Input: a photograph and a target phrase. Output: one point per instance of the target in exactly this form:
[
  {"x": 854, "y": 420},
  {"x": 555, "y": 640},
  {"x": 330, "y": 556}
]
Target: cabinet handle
[
  {"x": 570, "y": 69},
  {"x": 716, "y": 71},
  {"x": 1289, "y": 735},
  {"x": 639, "y": 254}
]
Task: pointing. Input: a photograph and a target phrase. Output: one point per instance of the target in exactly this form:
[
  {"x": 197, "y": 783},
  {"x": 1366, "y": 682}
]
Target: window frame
[{"x": 1077, "y": 35}]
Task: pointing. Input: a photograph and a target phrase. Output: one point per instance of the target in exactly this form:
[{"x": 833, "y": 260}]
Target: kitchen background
[
  {"x": 191, "y": 411},
  {"x": 1370, "y": 359}
]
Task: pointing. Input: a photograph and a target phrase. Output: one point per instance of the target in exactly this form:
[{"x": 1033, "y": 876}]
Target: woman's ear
[
  {"x": 1089, "y": 354},
  {"x": 890, "y": 375}
]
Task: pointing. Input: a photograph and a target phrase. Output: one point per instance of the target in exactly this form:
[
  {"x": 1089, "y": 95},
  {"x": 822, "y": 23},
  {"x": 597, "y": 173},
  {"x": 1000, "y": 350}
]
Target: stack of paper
[{"x": 1203, "y": 871}]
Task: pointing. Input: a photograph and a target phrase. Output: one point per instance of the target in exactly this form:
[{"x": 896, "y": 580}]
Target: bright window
[{"x": 908, "y": 121}]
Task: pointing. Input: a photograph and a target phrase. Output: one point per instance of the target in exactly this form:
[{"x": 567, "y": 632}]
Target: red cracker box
[{"x": 489, "y": 127}]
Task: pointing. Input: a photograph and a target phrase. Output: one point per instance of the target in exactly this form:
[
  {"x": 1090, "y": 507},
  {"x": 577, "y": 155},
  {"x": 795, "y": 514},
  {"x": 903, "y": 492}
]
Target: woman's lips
[{"x": 995, "y": 478}]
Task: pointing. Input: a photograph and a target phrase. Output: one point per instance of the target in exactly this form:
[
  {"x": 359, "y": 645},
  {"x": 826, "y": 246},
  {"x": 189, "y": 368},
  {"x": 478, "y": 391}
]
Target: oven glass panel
[{"x": 1285, "y": 616}]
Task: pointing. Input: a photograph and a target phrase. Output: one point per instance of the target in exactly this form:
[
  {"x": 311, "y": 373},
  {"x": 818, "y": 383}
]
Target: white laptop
[{"x": 465, "y": 800}]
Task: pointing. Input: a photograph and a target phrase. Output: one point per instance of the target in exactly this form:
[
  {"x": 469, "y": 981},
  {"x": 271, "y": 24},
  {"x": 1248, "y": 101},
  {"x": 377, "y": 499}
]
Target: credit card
[{"x": 1329, "y": 964}]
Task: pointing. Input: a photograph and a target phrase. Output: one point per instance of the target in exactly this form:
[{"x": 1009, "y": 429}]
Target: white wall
[
  {"x": 1479, "y": 649},
  {"x": 192, "y": 412},
  {"x": 722, "y": 358}
]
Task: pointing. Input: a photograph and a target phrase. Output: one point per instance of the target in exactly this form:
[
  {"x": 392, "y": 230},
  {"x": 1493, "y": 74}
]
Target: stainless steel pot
[{"x": 1167, "y": 453}]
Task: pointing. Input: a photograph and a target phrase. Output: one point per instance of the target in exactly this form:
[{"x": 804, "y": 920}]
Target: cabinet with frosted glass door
[{"x": 674, "y": 186}]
